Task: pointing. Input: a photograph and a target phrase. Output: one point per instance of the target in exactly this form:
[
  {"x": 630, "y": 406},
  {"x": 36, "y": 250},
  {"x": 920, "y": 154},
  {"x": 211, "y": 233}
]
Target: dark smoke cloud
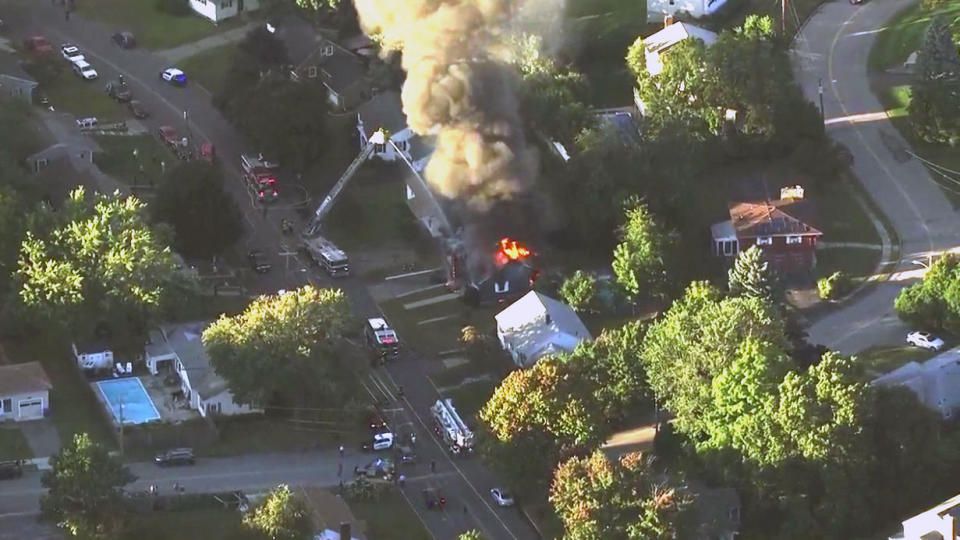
[{"x": 457, "y": 90}]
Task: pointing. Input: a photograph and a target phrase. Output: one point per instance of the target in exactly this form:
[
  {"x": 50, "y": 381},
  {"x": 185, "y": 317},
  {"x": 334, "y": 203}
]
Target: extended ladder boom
[{"x": 314, "y": 226}]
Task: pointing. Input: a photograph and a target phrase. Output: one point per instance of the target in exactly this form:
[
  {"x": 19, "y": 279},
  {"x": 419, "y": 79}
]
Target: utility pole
[
  {"x": 121, "y": 431},
  {"x": 783, "y": 17},
  {"x": 820, "y": 91}
]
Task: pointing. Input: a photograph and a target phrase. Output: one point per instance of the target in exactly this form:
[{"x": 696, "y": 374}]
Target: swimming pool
[{"x": 130, "y": 396}]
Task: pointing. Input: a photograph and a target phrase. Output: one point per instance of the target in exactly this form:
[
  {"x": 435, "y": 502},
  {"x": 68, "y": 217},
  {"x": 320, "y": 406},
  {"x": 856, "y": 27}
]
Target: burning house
[{"x": 502, "y": 276}]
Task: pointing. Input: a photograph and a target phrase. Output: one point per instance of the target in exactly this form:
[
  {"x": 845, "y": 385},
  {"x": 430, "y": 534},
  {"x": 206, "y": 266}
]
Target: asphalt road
[
  {"x": 833, "y": 48},
  {"x": 465, "y": 482}
]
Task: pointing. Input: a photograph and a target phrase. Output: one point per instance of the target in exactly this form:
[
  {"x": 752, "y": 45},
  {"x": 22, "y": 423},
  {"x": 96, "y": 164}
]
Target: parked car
[
  {"x": 433, "y": 499},
  {"x": 10, "y": 469},
  {"x": 502, "y": 497},
  {"x": 84, "y": 70},
  {"x": 925, "y": 340},
  {"x": 137, "y": 109},
  {"x": 37, "y": 45},
  {"x": 119, "y": 91},
  {"x": 174, "y": 76},
  {"x": 407, "y": 454},
  {"x": 177, "y": 456},
  {"x": 381, "y": 441},
  {"x": 258, "y": 261},
  {"x": 375, "y": 420},
  {"x": 169, "y": 136},
  {"x": 124, "y": 40},
  {"x": 70, "y": 52}
]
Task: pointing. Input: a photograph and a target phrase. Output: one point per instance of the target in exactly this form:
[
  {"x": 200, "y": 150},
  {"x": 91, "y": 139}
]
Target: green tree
[
  {"x": 101, "y": 259},
  {"x": 678, "y": 99},
  {"x": 935, "y": 101},
  {"x": 935, "y": 301},
  {"x": 193, "y": 201},
  {"x": 279, "y": 349},
  {"x": 472, "y": 534},
  {"x": 750, "y": 276},
  {"x": 85, "y": 490},
  {"x": 638, "y": 260},
  {"x": 637, "y": 60},
  {"x": 281, "y": 516},
  {"x": 578, "y": 290},
  {"x": 597, "y": 499},
  {"x": 696, "y": 340}
]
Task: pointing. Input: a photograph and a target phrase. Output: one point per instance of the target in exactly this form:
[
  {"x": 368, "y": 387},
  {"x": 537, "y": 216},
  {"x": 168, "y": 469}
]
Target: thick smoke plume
[{"x": 457, "y": 90}]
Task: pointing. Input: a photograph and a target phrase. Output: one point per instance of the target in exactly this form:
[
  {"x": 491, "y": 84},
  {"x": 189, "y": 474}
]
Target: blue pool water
[{"x": 129, "y": 393}]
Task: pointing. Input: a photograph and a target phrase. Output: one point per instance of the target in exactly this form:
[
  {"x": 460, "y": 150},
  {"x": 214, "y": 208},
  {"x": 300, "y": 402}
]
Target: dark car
[
  {"x": 124, "y": 40},
  {"x": 10, "y": 469},
  {"x": 433, "y": 499},
  {"x": 177, "y": 456},
  {"x": 407, "y": 454},
  {"x": 119, "y": 91},
  {"x": 258, "y": 261},
  {"x": 137, "y": 109},
  {"x": 37, "y": 45},
  {"x": 375, "y": 420}
]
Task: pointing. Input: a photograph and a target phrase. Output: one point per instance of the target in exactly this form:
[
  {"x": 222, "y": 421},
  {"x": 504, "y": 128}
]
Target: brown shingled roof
[
  {"x": 23, "y": 378},
  {"x": 769, "y": 218}
]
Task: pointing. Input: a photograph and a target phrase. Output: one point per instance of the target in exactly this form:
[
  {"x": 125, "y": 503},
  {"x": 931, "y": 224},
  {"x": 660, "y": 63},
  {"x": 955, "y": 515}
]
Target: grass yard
[
  {"x": 904, "y": 32},
  {"x": 880, "y": 360},
  {"x": 470, "y": 398},
  {"x": 206, "y": 524},
  {"x": 390, "y": 518},
  {"x": 441, "y": 335},
  {"x": 153, "y": 28},
  {"x": 254, "y": 435},
  {"x": 81, "y": 98},
  {"x": 857, "y": 263},
  {"x": 74, "y": 406},
  {"x": 209, "y": 68},
  {"x": 13, "y": 445},
  {"x": 118, "y": 161}
]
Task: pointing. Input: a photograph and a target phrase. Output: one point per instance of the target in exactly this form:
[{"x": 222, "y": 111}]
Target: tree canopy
[
  {"x": 100, "y": 259},
  {"x": 639, "y": 259},
  {"x": 281, "y": 516},
  {"x": 935, "y": 102},
  {"x": 750, "y": 277},
  {"x": 193, "y": 201},
  {"x": 278, "y": 350},
  {"x": 578, "y": 290},
  {"x": 85, "y": 490},
  {"x": 934, "y": 302},
  {"x": 597, "y": 499}
]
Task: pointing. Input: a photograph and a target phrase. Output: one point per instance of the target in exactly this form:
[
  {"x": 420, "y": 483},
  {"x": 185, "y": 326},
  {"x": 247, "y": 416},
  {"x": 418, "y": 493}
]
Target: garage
[{"x": 31, "y": 409}]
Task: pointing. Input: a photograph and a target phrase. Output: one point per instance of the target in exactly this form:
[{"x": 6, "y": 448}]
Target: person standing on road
[
  {"x": 341, "y": 450},
  {"x": 433, "y": 467}
]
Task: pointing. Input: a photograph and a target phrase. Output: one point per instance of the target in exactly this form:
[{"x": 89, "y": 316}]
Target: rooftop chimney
[
  {"x": 667, "y": 20},
  {"x": 345, "y": 530},
  {"x": 791, "y": 192}
]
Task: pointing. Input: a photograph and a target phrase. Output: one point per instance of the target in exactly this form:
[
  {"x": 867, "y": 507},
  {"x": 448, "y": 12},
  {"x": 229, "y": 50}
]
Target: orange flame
[{"x": 511, "y": 250}]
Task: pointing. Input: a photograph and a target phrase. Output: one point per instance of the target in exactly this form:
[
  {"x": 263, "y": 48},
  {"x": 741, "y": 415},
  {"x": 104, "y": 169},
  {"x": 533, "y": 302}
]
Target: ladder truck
[{"x": 450, "y": 427}]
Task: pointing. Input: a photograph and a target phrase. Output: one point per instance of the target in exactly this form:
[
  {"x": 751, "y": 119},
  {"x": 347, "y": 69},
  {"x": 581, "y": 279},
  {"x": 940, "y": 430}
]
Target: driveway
[
  {"x": 833, "y": 48},
  {"x": 41, "y": 436},
  {"x": 465, "y": 481}
]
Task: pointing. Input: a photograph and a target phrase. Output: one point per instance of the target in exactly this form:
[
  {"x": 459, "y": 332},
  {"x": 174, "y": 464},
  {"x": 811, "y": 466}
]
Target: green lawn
[
  {"x": 13, "y": 445},
  {"x": 206, "y": 524},
  {"x": 118, "y": 161},
  {"x": 880, "y": 360},
  {"x": 841, "y": 218},
  {"x": 390, "y": 518},
  {"x": 69, "y": 93},
  {"x": 904, "y": 32},
  {"x": 855, "y": 262},
  {"x": 470, "y": 398},
  {"x": 73, "y": 404},
  {"x": 255, "y": 435},
  {"x": 209, "y": 68},
  {"x": 153, "y": 28}
]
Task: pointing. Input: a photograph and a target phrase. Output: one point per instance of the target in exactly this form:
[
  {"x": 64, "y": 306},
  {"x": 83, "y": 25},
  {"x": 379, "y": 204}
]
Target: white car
[
  {"x": 70, "y": 52},
  {"x": 381, "y": 441},
  {"x": 502, "y": 497},
  {"x": 84, "y": 70},
  {"x": 173, "y": 76},
  {"x": 925, "y": 340}
]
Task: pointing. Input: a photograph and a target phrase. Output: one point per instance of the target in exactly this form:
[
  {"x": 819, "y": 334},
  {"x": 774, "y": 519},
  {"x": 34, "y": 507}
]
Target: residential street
[
  {"x": 464, "y": 482},
  {"x": 834, "y": 47}
]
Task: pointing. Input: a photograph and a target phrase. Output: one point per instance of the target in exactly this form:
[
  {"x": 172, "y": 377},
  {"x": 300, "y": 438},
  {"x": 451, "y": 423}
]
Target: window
[
  {"x": 6, "y": 405},
  {"x": 764, "y": 241},
  {"x": 501, "y": 287},
  {"x": 729, "y": 247},
  {"x": 794, "y": 240},
  {"x": 410, "y": 193}
]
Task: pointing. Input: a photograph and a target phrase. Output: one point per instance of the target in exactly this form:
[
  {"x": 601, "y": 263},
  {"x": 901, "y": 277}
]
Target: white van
[{"x": 84, "y": 70}]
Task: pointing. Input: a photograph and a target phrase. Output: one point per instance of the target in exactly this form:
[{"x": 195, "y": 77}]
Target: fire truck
[
  {"x": 326, "y": 254},
  {"x": 381, "y": 338},
  {"x": 260, "y": 176},
  {"x": 450, "y": 427}
]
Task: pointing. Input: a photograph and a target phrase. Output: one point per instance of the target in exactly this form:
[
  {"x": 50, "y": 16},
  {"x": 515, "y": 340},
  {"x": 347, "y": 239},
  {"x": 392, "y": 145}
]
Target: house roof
[
  {"x": 184, "y": 341},
  {"x": 341, "y": 68},
  {"x": 936, "y": 382},
  {"x": 772, "y": 218},
  {"x": 385, "y": 110},
  {"x": 675, "y": 33},
  {"x": 23, "y": 379},
  {"x": 10, "y": 65},
  {"x": 723, "y": 231},
  {"x": 539, "y": 325}
]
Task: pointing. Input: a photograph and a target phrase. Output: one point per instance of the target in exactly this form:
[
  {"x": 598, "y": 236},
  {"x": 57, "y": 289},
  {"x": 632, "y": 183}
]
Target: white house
[
  {"x": 24, "y": 392},
  {"x": 537, "y": 325},
  {"x": 177, "y": 348},
  {"x": 936, "y": 382},
  {"x": 218, "y": 10},
  {"x": 658, "y": 9},
  {"x": 657, "y": 44},
  {"x": 939, "y": 522}
]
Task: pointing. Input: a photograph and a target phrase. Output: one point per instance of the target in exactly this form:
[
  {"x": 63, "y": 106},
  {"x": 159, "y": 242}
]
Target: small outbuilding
[{"x": 24, "y": 392}]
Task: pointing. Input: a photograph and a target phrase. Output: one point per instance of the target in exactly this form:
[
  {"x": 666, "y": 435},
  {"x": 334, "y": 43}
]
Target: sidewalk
[{"x": 226, "y": 38}]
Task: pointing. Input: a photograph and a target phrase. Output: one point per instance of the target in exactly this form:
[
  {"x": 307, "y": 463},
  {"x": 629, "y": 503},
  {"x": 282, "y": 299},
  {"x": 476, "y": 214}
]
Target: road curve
[{"x": 833, "y": 47}]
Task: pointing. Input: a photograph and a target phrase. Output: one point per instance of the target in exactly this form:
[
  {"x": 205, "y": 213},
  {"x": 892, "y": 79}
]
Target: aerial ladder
[{"x": 313, "y": 227}]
